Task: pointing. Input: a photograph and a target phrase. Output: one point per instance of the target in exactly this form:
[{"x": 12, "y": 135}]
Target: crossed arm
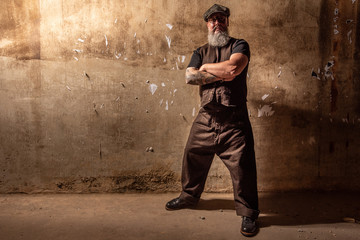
[{"x": 213, "y": 72}]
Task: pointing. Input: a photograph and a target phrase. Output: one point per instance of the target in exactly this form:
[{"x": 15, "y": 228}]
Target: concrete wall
[{"x": 88, "y": 87}]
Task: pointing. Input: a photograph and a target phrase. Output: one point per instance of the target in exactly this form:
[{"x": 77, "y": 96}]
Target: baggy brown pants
[{"x": 228, "y": 134}]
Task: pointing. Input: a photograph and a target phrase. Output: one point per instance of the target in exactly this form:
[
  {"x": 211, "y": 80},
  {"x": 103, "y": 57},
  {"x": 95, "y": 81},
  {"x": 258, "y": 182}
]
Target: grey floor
[{"x": 142, "y": 216}]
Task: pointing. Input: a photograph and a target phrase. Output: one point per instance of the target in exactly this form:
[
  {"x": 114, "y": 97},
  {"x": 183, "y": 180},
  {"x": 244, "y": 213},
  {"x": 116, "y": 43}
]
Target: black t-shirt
[{"x": 240, "y": 46}]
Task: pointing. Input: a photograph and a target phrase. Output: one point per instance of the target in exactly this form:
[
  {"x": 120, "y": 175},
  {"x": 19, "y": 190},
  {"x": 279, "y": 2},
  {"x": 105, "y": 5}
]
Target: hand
[{"x": 203, "y": 68}]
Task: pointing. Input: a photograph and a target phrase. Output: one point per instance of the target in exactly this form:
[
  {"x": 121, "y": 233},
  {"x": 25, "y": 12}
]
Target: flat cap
[{"x": 216, "y": 8}]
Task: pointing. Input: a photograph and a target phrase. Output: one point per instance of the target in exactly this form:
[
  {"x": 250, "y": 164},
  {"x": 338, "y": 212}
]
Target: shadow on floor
[{"x": 298, "y": 208}]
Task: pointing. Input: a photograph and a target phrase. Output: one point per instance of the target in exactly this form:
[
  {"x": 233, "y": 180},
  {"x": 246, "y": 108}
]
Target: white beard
[{"x": 219, "y": 39}]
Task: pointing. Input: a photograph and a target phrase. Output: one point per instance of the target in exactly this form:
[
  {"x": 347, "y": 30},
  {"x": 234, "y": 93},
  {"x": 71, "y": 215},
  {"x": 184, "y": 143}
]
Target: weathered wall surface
[{"x": 92, "y": 95}]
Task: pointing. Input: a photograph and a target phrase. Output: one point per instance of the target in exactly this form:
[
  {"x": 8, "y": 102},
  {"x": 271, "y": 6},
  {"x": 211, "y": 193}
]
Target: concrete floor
[{"x": 142, "y": 216}]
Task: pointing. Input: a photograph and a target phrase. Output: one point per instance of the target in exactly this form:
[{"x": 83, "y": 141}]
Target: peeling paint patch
[
  {"x": 328, "y": 67},
  {"x": 265, "y": 96},
  {"x": 169, "y": 26},
  {"x": 4, "y": 43},
  {"x": 183, "y": 58},
  {"x": 117, "y": 55},
  {"x": 153, "y": 88},
  {"x": 265, "y": 111},
  {"x": 106, "y": 41},
  {"x": 312, "y": 140},
  {"x": 349, "y": 36},
  {"x": 168, "y": 39}
]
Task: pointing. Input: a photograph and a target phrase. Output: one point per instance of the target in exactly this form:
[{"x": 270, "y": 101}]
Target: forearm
[
  {"x": 227, "y": 69},
  {"x": 194, "y": 76},
  {"x": 221, "y": 69}
]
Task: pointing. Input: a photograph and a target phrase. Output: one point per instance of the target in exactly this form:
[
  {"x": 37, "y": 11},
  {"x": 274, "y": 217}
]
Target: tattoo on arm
[{"x": 196, "y": 77}]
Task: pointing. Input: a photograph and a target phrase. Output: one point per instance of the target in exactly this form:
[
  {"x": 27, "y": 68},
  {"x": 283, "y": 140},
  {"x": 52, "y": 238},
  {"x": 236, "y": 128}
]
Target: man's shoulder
[{"x": 238, "y": 40}]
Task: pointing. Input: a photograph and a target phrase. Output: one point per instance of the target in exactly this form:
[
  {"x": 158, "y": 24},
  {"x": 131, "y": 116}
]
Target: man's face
[{"x": 217, "y": 22}]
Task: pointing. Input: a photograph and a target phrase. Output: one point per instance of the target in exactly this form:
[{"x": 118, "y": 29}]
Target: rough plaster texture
[{"x": 93, "y": 98}]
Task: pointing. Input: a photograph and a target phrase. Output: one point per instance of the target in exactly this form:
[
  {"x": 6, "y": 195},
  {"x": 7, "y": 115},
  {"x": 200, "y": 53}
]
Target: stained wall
[{"x": 93, "y": 97}]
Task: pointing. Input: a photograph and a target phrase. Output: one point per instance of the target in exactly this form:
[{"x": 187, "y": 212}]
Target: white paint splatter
[
  {"x": 76, "y": 58},
  {"x": 68, "y": 88},
  {"x": 177, "y": 66},
  {"x": 265, "y": 96},
  {"x": 161, "y": 101},
  {"x": 163, "y": 84},
  {"x": 125, "y": 59},
  {"x": 166, "y": 105},
  {"x": 117, "y": 99},
  {"x": 169, "y": 26},
  {"x": 77, "y": 50},
  {"x": 248, "y": 75},
  {"x": 135, "y": 35},
  {"x": 175, "y": 90},
  {"x": 153, "y": 88},
  {"x": 106, "y": 41},
  {"x": 172, "y": 102},
  {"x": 168, "y": 39},
  {"x": 279, "y": 72},
  {"x": 115, "y": 21},
  {"x": 138, "y": 41},
  {"x": 81, "y": 40},
  {"x": 193, "y": 112},
  {"x": 266, "y": 110},
  {"x": 145, "y": 20},
  {"x": 164, "y": 59}
]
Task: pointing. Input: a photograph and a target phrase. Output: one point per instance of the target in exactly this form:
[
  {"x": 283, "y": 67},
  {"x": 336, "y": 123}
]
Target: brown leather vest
[{"x": 230, "y": 94}]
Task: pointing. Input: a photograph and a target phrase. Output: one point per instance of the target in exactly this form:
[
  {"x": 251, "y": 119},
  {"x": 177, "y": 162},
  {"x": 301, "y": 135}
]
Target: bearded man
[{"x": 222, "y": 126}]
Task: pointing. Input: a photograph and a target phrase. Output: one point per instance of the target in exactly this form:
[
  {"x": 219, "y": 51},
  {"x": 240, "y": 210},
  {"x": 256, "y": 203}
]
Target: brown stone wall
[{"x": 93, "y": 97}]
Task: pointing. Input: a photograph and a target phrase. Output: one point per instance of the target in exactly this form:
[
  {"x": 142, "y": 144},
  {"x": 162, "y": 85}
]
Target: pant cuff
[
  {"x": 189, "y": 198},
  {"x": 247, "y": 212}
]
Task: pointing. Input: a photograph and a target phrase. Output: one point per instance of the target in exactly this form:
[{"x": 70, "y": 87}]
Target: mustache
[{"x": 218, "y": 28}]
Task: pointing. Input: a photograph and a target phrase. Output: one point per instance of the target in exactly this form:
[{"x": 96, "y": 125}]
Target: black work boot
[
  {"x": 249, "y": 227},
  {"x": 178, "y": 203}
]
